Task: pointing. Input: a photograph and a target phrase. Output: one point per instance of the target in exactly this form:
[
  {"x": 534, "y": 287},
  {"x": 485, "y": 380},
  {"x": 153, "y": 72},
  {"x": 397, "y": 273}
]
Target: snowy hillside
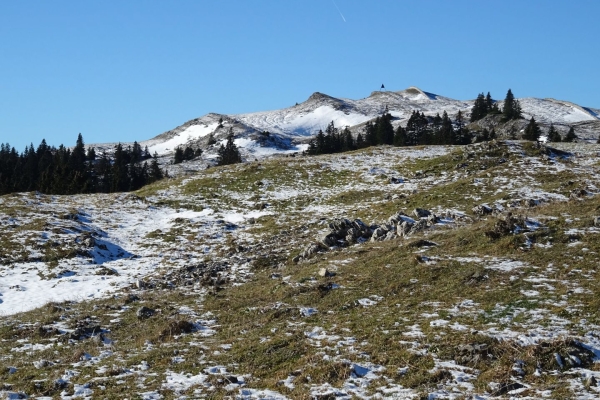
[
  {"x": 439, "y": 272},
  {"x": 291, "y": 128}
]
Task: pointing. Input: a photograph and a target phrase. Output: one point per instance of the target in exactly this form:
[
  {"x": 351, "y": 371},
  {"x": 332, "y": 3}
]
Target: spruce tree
[
  {"x": 155, "y": 172},
  {"x": 178, "y": 156},
  {"x": 489, "y": 103},
  {"x": 385, "y": 130},
  {"x": 228, "y": 153},
  {"x": 447, "y": 134},
  {"x": 479, "y": 109},
  {"x": 553, "y": 135},
  {"x": 512, "y": 108},
  {"x": 400, "y": 138},
  {"x": 188, "y": 154},
  {"x": 570, "y": 135},
  {"x": 532, "y": 131}
]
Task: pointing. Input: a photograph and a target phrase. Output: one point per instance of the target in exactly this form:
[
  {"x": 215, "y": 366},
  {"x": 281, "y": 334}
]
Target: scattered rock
[
  {"x": 102, "y": 270},
  {"x": 506, "y": 387},
  {"x": 422, "y": 243},
  {"x": 145, "y": 312},
  {"x": 421, "y": 213},
  {"x": 482, "y": 209},
  {"x": 42, "y": 364},
  {"x": 324, "y": 272},
  {"x": 177, "y": 328},
  {"x": 590, "y": 381}
]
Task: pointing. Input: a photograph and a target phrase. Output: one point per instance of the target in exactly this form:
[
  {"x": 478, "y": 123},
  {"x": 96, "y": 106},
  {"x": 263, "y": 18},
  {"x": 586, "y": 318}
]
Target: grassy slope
[{"x": 412, "y": 285}]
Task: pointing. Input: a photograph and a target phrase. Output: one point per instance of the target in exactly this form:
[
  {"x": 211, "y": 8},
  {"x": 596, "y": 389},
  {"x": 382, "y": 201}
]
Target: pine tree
[
  {"x": 348, "y": 140},
  {"x": 447, "y": 134},
  {"x": 400, "y": 137},
  {"x": 360, "y": 142},
  {"x": 479, "y": 109},
  {"x": 385, "y": 130},
  {"x": 553, "y": 135},
  {"x": 188, "y": 154},
  {"x": 532, "y": 131},
  {"x": 91, "y": 154},
  {"x": 120, "y": 171},
  {"x": 489, "y": 103},
  {"x": 211, "y": 139},
  {"x": 461, "y": 134},
  {"x": 512, "y": 108},
  {"x": 178, "y": 156},
  {"x": 570, "y": 135},
  {"x": 155, "y": 172},
  {"x": 229, "y": 153}
]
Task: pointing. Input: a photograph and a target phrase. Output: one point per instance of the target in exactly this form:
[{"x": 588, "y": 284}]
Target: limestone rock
[
  {"x": 421, "y": 213},
  {"x": 145, "y": 312}
]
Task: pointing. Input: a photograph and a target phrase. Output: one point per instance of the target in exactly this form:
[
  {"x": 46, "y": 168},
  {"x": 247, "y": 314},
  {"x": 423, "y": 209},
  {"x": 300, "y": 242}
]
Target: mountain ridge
[{"x": 294, "y": 126}]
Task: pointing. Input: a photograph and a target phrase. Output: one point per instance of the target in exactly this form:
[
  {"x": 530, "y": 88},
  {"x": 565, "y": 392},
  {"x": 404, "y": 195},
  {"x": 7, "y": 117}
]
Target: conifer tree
[
  {"x": 479, "y": 109},
  {"x": 553, "y": 135},
  {"x": 385, "y": 130},
  {"x": 178, "y": 156},
  {"x": 571, "y": 136},
  {"x": 447, "y": 134},
  {"x": 229, "y": 153},
  {"x": 489, "y": 103},
  {"x": 532, "y": 131},
  {"x": 211, "y": 139},
  {"x": 348, "y": 140},
  {"x": 512, "y": 108},
  {"x": 188, "y": 154},
  {"x": 400, "y": 138},
  {"x": 155, "y": 173},
  {"x": 360, "y": 142}
]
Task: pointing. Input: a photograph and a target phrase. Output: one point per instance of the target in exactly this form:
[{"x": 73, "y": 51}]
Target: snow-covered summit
[{"x": 290, "y": 128}]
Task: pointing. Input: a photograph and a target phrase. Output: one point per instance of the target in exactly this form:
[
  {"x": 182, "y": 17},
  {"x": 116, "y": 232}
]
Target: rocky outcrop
[{"x": 344, "y": 232}]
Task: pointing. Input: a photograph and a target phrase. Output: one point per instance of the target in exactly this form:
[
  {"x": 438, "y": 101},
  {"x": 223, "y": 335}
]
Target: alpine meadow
[{"x": 401, "y": 246}]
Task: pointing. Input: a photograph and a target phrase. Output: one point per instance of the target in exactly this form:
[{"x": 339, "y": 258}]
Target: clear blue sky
[{"x": 129, "y": 70}]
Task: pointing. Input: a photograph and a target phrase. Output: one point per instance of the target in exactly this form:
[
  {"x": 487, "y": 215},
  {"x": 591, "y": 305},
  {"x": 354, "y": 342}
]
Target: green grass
[{"x": 261, "y": 319}]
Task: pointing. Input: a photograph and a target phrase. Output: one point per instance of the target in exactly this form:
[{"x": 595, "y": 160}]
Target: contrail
[{"x": 342, "y": 15}]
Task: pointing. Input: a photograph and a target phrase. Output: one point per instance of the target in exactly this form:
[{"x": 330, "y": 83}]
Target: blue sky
[{"x": 130, "y": 70}]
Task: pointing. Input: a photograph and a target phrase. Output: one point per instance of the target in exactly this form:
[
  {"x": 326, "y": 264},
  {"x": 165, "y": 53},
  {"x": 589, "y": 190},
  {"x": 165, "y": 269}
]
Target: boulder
[
  {"x": 421, "y": 213},
  {"x": 404, "y": 228},
  {"x": 432, "y": 219},
  {"x": 418, "y": 226},
  {"x": 330, "y": 239},
  {"x": 482, "y": 209},
  {"x": 145, "y": 312},
  {"x": 378, "y": 234}
]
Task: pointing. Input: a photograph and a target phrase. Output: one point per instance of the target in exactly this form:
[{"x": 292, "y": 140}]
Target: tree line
[
  {"x": 61, "y": 170},
  {"x": 420, "y": 130},
  {"x": 227, "y": 153},
  {"x": 426, "y": 130}
]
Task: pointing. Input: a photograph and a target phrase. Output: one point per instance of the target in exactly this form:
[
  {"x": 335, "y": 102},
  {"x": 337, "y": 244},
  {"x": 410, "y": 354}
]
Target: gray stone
[
  {"x": 378, "y": 234},
  {"x": 404, "y": 228},
  {"x": 145, "y": 312},
  {"x": 432, "y": 219},
  {"x": 311, "y": 250},
  {"x": 596, "y": 221},
  {"x": 590, "y": 381},
  {"x": 482, "y": 209},
  {"x": 418, "y": 226},
  {"x": 421, "y": 213},
  {"x": 390, "y": 235}
]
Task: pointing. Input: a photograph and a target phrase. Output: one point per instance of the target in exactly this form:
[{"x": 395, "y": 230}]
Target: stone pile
[{"x": 344, "y": 232}]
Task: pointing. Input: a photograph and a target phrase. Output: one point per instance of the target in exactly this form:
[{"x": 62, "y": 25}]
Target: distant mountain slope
[{"x": 290, "y": 128}]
